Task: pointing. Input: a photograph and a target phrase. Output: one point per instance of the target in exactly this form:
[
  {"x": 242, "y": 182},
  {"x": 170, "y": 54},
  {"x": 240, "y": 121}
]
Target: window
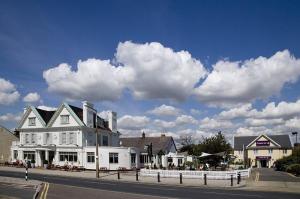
[
  {"x": 105, "y": 140},
  {"x": 90, "y": 157},
  {"x": 27, "y": 141},
  {"x": 15, "y": 154},
  {"x": 143, "y": 158},
  {"x": 179, "y": 161},
  {"x": 72, "y": 138},
  {"x": 170, "y": 160},
  {"x": 270, "y": 151},
  {"x": 29, "y": 155},
  {"x": 133, "y": 155},
  {"x": 255, "y": 151},
  {"x": 64, "y": 119},
  {"x": 47, "y": 139},
  {"x": 113, "y": 158},
  {"x": 63, "y": 138},
  {"x": 31, "y": 121},
  {"x": 68, "y": 156},
  {"x": 284, "y": 151},
  {"x": 33, "y": 138}
]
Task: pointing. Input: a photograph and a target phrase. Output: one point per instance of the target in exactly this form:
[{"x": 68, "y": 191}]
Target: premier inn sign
[{"x": 262, "y": 143}]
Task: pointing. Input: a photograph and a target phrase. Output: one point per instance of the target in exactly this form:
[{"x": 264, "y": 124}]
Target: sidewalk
[{"x": 131, "y": 177}]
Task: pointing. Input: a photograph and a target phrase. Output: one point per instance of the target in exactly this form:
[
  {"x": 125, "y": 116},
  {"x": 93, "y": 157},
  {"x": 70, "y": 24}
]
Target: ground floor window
[
  {"x": 29, "y": 155},
  {"x": 133, "y": 155},
  {"x": 113, "y": 158},
  {"x": 90, "y": 156},
  {"x": 15, "y": 154},
  {"x": 170, "y": 160},
  {"x": 68, "y": 156},
  {"x": 180, "y": 161},
  {"x": 144, "y": 158}
]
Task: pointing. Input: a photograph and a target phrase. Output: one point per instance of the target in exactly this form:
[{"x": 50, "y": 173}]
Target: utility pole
[
  {"x": 295, "y": 133},
  {"x": 97, "y": 149}
]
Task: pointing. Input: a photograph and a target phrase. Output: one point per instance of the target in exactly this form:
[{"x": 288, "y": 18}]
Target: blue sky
[{"x": 36, "y": 36}]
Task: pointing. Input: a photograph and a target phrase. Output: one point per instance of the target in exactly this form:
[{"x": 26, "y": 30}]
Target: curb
[{"x": 37, "y": 191}]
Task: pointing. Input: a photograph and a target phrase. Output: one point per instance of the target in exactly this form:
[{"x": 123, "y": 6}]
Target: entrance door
[
  {"x": 51, "y": 156},
  {"x": 43, "y": 155},
  {"x": 263, "y": 163}
]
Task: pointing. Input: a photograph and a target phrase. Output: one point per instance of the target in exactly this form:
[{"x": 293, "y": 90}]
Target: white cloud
[
  {"x": 165, "y": 110},
  {"x": 214, "y": 124},
  {"x": 9, "y": 117},
  {"x": 150, "y": 71},
  {"x": 243, "y": 111},
  {"x": 185, "y": 119},
  {"x": 133, "y": 122},
  {"x": 93, "y": 80},
  {"x": 195, "y": 111},
  {"x": 47, "y": 108},
  {"x": 160, "y": 72},
  {"x": 31, "y": 97},
  {"x": 293, "y": 123},
  {"x": 8, "y": 92},
  {"x": 264, "y": 122},
  {"x": 236, "y": 83},
  {"x": 163, "y": 124}
]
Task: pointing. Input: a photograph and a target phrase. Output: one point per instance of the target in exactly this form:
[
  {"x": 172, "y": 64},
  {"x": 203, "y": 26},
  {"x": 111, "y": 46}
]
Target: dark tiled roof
[
  {"x": 163, "y": 143},
  {"x": 78, "y": 112},
  {"x": 283, "y": 140},
  {"x": 46, "y": 115}
]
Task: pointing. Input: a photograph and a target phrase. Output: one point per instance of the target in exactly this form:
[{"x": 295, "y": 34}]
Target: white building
[{"x": 67, "y": 136}]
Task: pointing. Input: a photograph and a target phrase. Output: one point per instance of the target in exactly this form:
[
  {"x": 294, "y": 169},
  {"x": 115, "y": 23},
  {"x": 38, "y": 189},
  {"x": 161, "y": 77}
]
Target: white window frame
[
  {"x": 114, "y": 157},
  {"x": 90, "y": 157},
  {"x": 65, "y": 119},
  {"x": 31, "y": 121},
  {"x": 63, "y": 138}
]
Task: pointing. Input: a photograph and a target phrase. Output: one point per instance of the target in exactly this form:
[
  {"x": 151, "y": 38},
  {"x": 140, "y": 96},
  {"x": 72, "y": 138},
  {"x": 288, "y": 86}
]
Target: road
[
  {"x": 266, "y": 174},
  {"x": 13, "y": 191},
  {"x": 62, "y": 187}
]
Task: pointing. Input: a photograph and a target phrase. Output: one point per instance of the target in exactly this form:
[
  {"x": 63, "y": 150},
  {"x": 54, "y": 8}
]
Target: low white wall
[{"x": 195, "y": 174}]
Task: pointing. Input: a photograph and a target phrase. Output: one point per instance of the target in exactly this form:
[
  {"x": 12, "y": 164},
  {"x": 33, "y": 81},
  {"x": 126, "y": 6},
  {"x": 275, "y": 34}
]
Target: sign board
[
  {"x": 262, "y": 143},
  {"x": 263, "y": 157}
]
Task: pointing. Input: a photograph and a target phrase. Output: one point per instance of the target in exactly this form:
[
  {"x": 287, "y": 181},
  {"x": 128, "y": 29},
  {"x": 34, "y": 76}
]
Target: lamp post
[
  {"x": 295, "y": 133},
  {"x": 97, "y": 150}
]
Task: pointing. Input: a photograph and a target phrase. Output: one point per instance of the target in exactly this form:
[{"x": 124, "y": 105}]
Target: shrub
[
  {"x": 45, "y": 161},
  {"x": 282, "y": 164},
  {"x": 294, "y": 169}
]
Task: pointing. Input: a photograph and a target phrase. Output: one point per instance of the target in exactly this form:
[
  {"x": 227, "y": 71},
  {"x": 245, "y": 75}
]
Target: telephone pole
[{"x": 97, "y": 149}]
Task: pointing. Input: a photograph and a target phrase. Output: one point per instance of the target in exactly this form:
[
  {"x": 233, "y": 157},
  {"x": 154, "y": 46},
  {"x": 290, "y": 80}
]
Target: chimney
[
  {"x": 112, "y": 121},
  {"x": 88, "y": 113},
  {"x": 143, "y": 135}
]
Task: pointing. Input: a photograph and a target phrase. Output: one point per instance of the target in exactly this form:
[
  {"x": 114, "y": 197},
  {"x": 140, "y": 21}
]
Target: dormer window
[
  {"x": 31, "y": 121},
  {"x": 64, "y": 119}
]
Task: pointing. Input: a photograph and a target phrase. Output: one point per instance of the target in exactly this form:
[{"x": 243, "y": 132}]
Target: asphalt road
[
  {"x": 123, "y": 188},
  {"x": 266, "y": 174},
  {"x": 14, "y": 191}
]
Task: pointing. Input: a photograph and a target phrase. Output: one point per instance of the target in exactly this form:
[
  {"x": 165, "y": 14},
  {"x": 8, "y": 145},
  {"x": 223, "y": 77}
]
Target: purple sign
[
  {"x": 263, "y": 157},
  {"x": 262, "y": 143}
]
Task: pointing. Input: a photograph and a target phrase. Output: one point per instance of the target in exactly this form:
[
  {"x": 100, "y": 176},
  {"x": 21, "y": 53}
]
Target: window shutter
[
  {"x": 68, "y": 138},
  {"x": 60, "y": 138}
]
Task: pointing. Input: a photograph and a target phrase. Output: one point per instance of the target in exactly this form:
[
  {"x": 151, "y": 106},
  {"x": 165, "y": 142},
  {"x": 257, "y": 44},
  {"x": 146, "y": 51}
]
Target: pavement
[{"x": 13, "y": 188}]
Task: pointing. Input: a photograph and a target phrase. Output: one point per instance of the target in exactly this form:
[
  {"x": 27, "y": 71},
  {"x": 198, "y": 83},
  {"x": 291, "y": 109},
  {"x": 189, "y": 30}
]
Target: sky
[{"x": 183, "y": 68}]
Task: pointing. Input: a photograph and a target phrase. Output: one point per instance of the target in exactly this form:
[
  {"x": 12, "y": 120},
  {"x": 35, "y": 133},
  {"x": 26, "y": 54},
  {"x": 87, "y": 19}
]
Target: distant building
[
  {"x": 161, "y": 147},
  {"x": 67, "y": 136},
  {"x": 6, "y": 139},
  {"x": 263, "y": 150}
]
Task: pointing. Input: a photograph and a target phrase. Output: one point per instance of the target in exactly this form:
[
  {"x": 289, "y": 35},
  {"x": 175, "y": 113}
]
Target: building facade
[
  {"x": 67, "y": 136},
  {"x": 6, "y": 139},
  {"x": 263, "y": 150}
]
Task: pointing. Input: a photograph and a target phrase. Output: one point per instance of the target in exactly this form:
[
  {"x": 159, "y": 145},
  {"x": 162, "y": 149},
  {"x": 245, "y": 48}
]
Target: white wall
[
  {"x": 72, "y": 121},
  {"x": 38, "y": 124}
]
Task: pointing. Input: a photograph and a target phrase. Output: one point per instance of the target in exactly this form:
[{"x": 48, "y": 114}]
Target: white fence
[{"x": 195, "y": 174}]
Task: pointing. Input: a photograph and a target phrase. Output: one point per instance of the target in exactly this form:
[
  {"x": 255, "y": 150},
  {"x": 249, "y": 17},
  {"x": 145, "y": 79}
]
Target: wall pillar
[{"x": 46, "y": 155}]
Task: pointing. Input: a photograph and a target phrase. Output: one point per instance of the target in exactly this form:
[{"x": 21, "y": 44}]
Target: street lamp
[
  {"x": 97, "y": 150},
  {"x": 295, "y": 133}
]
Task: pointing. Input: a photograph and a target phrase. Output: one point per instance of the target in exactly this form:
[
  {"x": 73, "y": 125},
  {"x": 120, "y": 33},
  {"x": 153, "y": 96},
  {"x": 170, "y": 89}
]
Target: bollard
[
  {"x": 180, "y": 178},
  {"x": 239, "y": 178},
  {"x": 26, "y": 173},
  {"x": 205, "y": 179},
  {"x": 118, "y": 175},
  {"x": 158, "y": 177},
  {"x": 137, "y": 176},
  {"x": 231, "y": 179}
]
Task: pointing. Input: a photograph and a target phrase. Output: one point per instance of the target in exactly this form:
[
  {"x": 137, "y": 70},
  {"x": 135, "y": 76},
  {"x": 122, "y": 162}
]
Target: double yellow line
[
  {"x": 45, "y": 191},
  {"x": 257, "y": 177}
]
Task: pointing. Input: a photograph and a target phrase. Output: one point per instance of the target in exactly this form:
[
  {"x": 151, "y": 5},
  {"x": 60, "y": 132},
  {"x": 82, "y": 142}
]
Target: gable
[
  {"x": 31, "y": 113},
  {"x": 65, "y": 110},
  {"x": 263, "y": 141}
]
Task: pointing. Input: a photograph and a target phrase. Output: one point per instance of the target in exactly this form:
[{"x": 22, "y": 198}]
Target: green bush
[
  {"x": 294, "y": 169},
  {"x": 282, "y": 164}
]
